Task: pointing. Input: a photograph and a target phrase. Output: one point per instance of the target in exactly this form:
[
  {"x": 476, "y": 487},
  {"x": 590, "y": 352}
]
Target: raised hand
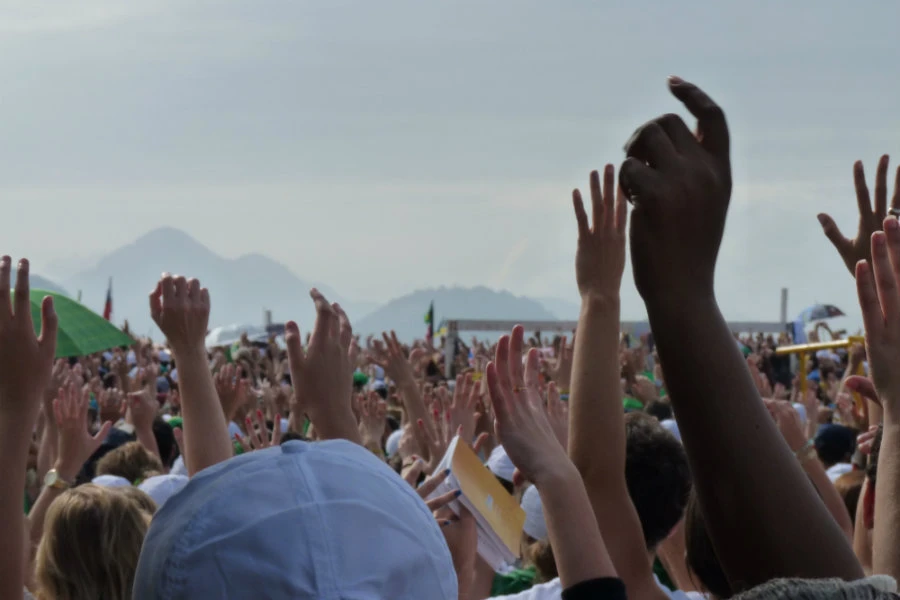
[
  {"x": 462, "y": 408},
  {"x": 558, "y": 414},
  {"x": 26, "y": 360},
  {"x": 232, "y": 391},
  {"x": 878, "y": 287},
  {"x": 180, "y": 307},
  {"x": 322, "y": 374},
  {"x": 600, "y": 258},
  {"x": 520, "y": 421},
  {"x": 680, "y": 186},
  {"x": 76, "y": 444},
  {"x": 371, "y": 421},
  {"x": 673, "y": 176},
  {"x": 258, "y": 436},
  {"x": 870, "y": 218}
]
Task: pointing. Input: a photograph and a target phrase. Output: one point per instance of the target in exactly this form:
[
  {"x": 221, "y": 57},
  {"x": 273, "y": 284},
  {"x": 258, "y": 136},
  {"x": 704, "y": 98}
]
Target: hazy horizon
[{"x": 383, "y": 148}]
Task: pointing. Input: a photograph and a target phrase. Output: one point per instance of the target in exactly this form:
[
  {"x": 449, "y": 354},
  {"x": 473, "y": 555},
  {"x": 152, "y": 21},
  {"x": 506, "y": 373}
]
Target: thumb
[{"x": 104, "y": 431}]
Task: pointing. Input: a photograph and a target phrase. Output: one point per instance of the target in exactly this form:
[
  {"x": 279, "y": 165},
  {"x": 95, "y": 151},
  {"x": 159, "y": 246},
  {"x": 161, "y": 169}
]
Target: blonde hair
[
  {"x": 91, "y": 544},
  {"x": 131, "y": 461}
]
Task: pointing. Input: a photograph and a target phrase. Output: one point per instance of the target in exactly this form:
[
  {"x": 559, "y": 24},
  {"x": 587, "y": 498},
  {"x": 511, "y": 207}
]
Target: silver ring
[{"x": 895, "y": 212}]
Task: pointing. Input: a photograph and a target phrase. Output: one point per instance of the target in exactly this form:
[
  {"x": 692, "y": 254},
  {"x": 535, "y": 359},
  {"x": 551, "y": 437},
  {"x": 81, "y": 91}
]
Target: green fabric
[
  {"x": 176, "y": 423},
  {"x": 649, "y": 375},
  {"x": 660, "y": 571},
  {"x": 513, "y": 582},
  {"x": 360, "y": 379},
  {"x": 81, "y": 330},
  {"x": 631, "y": 404}
]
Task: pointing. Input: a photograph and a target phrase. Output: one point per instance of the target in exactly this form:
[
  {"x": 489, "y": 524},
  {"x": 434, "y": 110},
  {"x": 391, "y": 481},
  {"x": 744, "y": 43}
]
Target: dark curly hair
[{"x": 657, "y": 474}]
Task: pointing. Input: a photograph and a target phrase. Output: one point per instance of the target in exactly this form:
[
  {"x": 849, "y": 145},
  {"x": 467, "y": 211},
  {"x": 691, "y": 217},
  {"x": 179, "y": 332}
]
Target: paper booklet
[{"x": 498, "y": 515}]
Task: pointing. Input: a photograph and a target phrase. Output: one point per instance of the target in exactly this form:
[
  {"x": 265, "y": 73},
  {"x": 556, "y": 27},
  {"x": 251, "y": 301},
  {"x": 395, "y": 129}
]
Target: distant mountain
[
  {"x": 406, "y": 315},
  {"x": 240, "y": 289},
  {"x": 563, "y": 309},
  {"x": 39, "y": 283}
]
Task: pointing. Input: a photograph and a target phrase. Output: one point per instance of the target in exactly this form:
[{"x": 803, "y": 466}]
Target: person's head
[
  {"x": 91, "y": 545},
  {"x": 835, "y": 444},
  {"x": 131, "y": 461},
  {"x": 140, "y": 498},
  {"x": 342, "y": 507},
  {"x": 165, "y": 441},
  {"x": 660, "y": 409},
  {"x": 657, "y": 474}
]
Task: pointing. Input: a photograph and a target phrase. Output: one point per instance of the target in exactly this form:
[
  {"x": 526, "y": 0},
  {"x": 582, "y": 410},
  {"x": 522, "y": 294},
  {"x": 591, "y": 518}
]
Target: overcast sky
[{"x": 387, "y": 146}]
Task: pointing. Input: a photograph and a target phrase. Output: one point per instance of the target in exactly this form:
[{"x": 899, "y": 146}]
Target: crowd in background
[{"x": 690, "y": 462}]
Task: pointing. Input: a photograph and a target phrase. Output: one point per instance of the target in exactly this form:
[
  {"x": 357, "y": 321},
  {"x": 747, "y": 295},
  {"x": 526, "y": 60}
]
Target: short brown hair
[{"x": 131, "y": 461}]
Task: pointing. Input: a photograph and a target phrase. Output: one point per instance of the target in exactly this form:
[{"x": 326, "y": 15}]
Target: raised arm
[
  {"x": 596, "y": 417},
  {"x": 26, "y": 361},
  {"x": 181, "y": 310},
  {"x": 528, "y": 438},
  {"x": 322, "y": 375},
  {"x": 680, "y": 186},
  {"x": 878, "y": 287}
]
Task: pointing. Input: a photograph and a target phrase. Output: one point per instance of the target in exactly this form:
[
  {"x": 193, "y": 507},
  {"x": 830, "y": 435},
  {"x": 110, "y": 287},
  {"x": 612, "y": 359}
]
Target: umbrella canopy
[
  {"x": 81, "y": 330},
  {"x": 820, "y": 312}
]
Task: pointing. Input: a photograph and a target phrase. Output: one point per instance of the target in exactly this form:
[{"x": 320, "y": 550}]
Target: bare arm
[
  {"x": 680, "y": 186},
  {"x": 25, "y": 365},
  {"x": 531, "y": 443},
  {"x": 596, "y": 417},
  {"x": 878, "y": 287},
  {"x": 181, "y": 309}
]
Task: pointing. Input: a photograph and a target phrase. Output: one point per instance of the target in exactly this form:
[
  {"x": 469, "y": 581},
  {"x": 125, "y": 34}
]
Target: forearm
[
  {"x": 48, "y": 449},
  {"x": 206, "y": 438},
  {"x": 885, "y": 550},
  {"x": 595, "y": 399},
  {"x": 148, "y": 440},
  {"x": 573, "y": 531},
  {"x": 733, "y": 446},
  {"x": 335, "y": 421},
  {"x": 14, "y": 438}
]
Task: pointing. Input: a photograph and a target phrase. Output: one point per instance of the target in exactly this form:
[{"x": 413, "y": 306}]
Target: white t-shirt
[{"x": 552, "y": 590}]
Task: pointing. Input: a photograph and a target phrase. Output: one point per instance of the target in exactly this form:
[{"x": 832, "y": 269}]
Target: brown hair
[
  {"x": 131, "y": 461},
  {"x": 540, "y": 554},
  {"x": 91, "y": 545},
  {"x": 141, "y": 499}
]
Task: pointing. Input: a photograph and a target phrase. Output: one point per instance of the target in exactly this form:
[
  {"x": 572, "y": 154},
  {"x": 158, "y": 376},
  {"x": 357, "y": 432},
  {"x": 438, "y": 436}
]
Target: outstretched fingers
[{"x": 712, "y": 128}]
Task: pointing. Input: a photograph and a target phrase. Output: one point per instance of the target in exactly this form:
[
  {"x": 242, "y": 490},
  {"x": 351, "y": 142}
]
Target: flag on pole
[
  {"x": 107, "y": 308},
  {"x": 429, "y": 320}
]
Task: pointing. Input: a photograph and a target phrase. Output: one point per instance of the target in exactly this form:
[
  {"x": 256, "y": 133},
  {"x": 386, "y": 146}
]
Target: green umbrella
[{"x": 81, "y": 330}]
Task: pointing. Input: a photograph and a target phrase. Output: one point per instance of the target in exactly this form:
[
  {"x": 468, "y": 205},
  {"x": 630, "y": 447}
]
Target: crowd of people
[{"x": 689, "y": 463}]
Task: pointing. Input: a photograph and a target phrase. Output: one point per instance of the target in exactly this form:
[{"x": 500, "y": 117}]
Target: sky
[{"x": 383, "y": 147}]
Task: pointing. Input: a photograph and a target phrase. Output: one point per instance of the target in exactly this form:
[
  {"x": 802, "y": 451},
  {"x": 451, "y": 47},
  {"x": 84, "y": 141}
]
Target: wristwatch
[{"x": 53, "y": 480}]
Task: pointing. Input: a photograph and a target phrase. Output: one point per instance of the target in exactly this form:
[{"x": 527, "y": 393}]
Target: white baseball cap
[
  {"x": 324, "y": 520},
  {"x": 163, "y": 487}
]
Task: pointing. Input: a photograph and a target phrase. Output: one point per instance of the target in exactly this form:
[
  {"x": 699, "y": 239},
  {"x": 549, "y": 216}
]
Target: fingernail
[
  {"x": 445, "y": 523},
  {"x": 457, "y": 494},
  {"x": 822, "y": 219},
  {"x": 878, "y": 239},
  {"x": 446, "y": 471},
  {"x": 420, "y": 422},
  {"x": 675, "y": 80},
  {"x": 891, "y": 224}
]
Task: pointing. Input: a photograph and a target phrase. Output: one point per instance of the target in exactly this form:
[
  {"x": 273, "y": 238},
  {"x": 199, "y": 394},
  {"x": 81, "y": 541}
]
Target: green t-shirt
[
  {"x": 513, "y": 582},
  {"x": 631, "y": 404}
]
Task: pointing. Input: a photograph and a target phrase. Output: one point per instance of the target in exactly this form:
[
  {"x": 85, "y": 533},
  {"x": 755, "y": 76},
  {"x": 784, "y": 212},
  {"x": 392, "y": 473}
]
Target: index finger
[
  {"x": 4, "y": 286},
  {"x": 712, "y": 128},
  {"x": 431, "y": 484}
]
